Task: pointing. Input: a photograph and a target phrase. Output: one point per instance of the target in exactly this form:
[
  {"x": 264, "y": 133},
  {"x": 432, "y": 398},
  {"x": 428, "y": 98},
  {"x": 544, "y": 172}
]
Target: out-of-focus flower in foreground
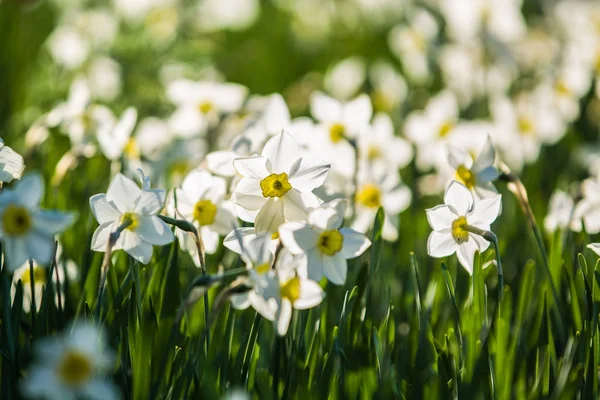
[
  {"x": 125, "y": 201},
  {"x": 11, "y": 164},
  {"x": 449, "y": 222},
  {"x": 26, "y": 231},
  {"x": 71, "y": 366}
]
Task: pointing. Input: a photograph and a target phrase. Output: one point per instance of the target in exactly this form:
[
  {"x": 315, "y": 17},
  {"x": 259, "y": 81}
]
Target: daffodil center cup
[
  {"x": 465, "y": 176},
  {"x": 291, "y": 290},
  {"x": 205, "y": 107},
  {"x": 445, "y": 129},
  {"x": 133, "y": 217},
  {"x": 39, "y": 276},
  {"x": 275, "y": 185},
  {"x": 337, "y": 132},
  {"x": 75, "y": 368},
  {"x": 369, "y": 196},
  {"x": 16, "y": 220},
  {"x": 263, "y": 268},
  {"x": 373, "y": 152},
  {"x": 459, "y": 233},
  {"x": 131, "y": 149},
  {"x": 205, "y": 212},
  {"x": 330, "y": 242}
]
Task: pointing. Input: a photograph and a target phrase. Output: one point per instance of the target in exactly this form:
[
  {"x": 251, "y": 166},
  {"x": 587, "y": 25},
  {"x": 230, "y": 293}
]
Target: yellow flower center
[
  {"x": 39, "y": 276},
  {"x": 263, "y": 268},
  {"x": 291, "y": 290},
  {"x": 132, "y": 149},
  {"x": 275, "y": 236},
  {"x": 369, "y": 196},
  {"x": 135, "y": 221},
  {"x": 74, "y": 368},
  {"x": 337, "y": 132},
  {"x": 205, "y": 107},
  {"x": 445, "y": 129},
  {"x": 459, "y": 233},
  {"x": 204, "y": 212},
  {"x": 525, "y": 125},
  {"x": 374, "y": 152},
  {"x": 562, "y": 89},
  {"x": 275, "y": 185},
  {"x": 465, "y": 176},
  {"x": 16, "y": 220},
  {"x": 330, "y": 242},
  {"x": 381, "y": 101}
]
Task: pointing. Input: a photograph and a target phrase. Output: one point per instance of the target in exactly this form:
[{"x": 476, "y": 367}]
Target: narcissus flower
[
  {"x": 72, "y": 366},
  {"x": 560, "y": 212},
  {"x": 449, "y": 222},
  {"x": 125, "y": 201},
  {"x": 201, "y": 200},
  {"x": 277, "y": 186},
  {"x": 11, "y": 164},
  {"x": 26, "y": 231},
  {"x": 325, "y": 243},
  {"x": 477, "y": 175}
]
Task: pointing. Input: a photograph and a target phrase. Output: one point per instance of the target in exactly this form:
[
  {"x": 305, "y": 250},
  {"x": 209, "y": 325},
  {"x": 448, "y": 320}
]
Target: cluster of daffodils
[{"x": 296, "y": 239}]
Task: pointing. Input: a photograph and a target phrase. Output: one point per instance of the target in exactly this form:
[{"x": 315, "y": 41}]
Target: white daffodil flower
[
  {"x": 283, "y": 291},
  {"x": 200, "y": 105},
  {"x": 72, "y": 365},
  {"x": 123, "y": 201},
  {"x": 448, "y": 221},
  {"x": 380, "y": 145},
  {"x": 11, "y": 164},
  {"x": 325, "y": 243},
  {"x": 380, "y": 188},
  {"x": 201, "y": 200},
  {"x": 277, "y": 186},
  {"x": 431, "y": 128},
  {"x": 337, "y": 122},
  {"x": 26, "y": 231},
  {"x": 595, "y": 247},
  {"x": 587, "y": 210},
  {"x": 116, "y": 140},
  {"x": 477, "y": 175},
  {"x": 560, "y": 212}
]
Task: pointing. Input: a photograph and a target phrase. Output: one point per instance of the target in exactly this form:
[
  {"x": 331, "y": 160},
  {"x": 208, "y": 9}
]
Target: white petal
[
  {"x": 240, "y": 301},
  {"x": 150, "y": 201},
  {"x": 355, "y": 243},
  {"x": 485, "y": 211},
  {"x": 123, "y": 192},
  {"x": 314, "y": 264},
  {"x": 15, "y": 252},
  {"x": 482, "y": 244},
  {"x": 282, "y": 151},
  {"x": 30, "y": 190},
  {"x": 595, "y": 247},
  {"x": 101, "y": 235},
  {"x": 225, "y": 219},
  {"x": 390, "y": 228},
  {"x": 311, "y": 295},
  {"x": 252, "y": 167},
  {"x": 335, "y": 268},
  {"x": 154, "y": 231},
  {"x": 50, "y": 222},
  {"x": 325, "y": 108},
  {"x": 141, "y": 251},
  {"x": 270, "y": 216},
  {"x": 459, "y": 197},
  {"x": 298, "y": 237},
  {"x": 487, "y": 174},
  {"x": 197, "y": 184},
  {"x": 210, "y": 239},
  {"x": 40, "y": 247},
  {"x": 248, "y": 194},
  {"x": 232, "y": 242},
  {"x": 441, "y": 244},
  {"x": 357, "y": 113},
  {"x": 101, "y": 390},
  {"x": 103, "y": 210},
  {"x": 441, "y": 217},
  {"x": 486, "y": 157},
  {"x": 397, "y": 200},
  {"x": 283, "y": 317},
  {"x": 325, "y": 218},
  {"x": 11, "y": 164},
  {"x": 466, "y": 254},
  {"x": 221, "y": 162},
  {"x": 307, "y": 174},
  {"x": 294, "y": 206}
]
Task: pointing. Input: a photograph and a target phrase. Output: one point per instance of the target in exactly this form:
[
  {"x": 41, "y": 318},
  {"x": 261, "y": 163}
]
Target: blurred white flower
[
  {"x": 379, "y": 145},
  {"x": 560, "y": 212},
  {"x": 72, "y": 365},
  {"x": 26, "y": 231},
  {"x": 587, "y": 210},
  {"x": 201, "y": 200},
  {"x": 116, "y": 140},
  {"x": 389, "y": 86},
  {"x": 200, "y": 105},
  {"x": 326, "y": 244},
  {"x": 345, "y": 78},
  {"x": 380, "y": 187},
  {"x": 12, "y": 164},
  {"x": 104, "y": 78},
  {"x": 277, "y": 186},
  {"x": 124, "y": 201},
  {"x": 448, "y": 220},
  {"x": 215, "y": 15},
  {"x": 68, "y": 47}
]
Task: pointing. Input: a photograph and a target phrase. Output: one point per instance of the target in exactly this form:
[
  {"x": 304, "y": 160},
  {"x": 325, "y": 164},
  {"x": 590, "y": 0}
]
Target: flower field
[{"x": 291, "y": 199}]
